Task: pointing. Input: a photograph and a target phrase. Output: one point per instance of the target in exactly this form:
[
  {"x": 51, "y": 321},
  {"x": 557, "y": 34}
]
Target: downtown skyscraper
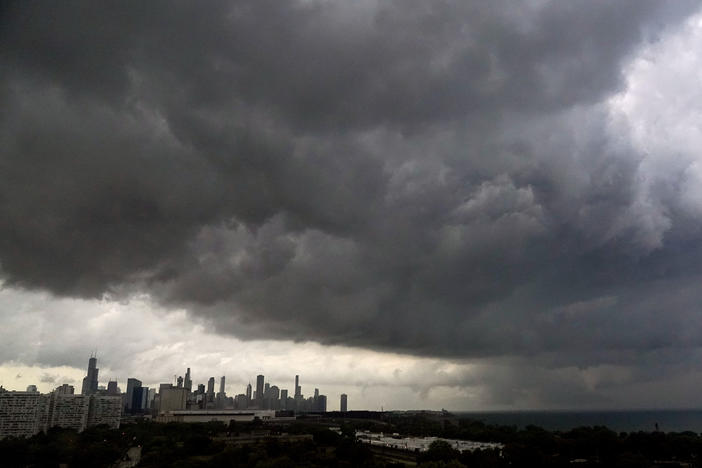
[
  {"x": 90, "y": 381},
  {"x": 259, "y": 387},
  {"x": 188, "y": 384}
]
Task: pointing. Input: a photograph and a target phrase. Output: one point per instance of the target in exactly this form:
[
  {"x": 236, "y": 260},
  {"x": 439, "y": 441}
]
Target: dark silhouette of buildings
[
  {"x": 112, "y": 388},
  {"x": 259, "y": 388},
  {"x": 90, "y": 381},
  {"x": 132, "y": 384},
  {"x": 188, "y": 381},
  {"x": 343, "y": 407},
  {"x": 140, "y": 400}
]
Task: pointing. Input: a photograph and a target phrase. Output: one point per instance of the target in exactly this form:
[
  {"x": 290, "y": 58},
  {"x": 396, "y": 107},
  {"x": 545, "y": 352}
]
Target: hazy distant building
[
  {"x": 90, "y": 381},
  {"x": 283, "y": 399},
  {"x": 248, "y": 391},
  {"x": 112, "y": 388},
  {"x": 259, "y": 387},
  {"x": 32, "y": 388},
  {"x": 180, "y": 381},
  {"x": 65, "y": 389},
  {"x": 172, "y": 399},
  {"x": 221, "y": 386},
  {"x": 164, "y": 386},
  {"x": 188, "y": 384},
  {"x": 298, "y": 390},
  {"x": 129, "y": 397},
  {"x": 321, "y": 403},
  {"x": 194, "y": 399},
  {"x": 210, "y": 386},
  {"x": 152, "y": 397},
  {"x": 241, "y": 401},
  {"x": 270, "y": 397},
  {"x": 344, "y": 403}
]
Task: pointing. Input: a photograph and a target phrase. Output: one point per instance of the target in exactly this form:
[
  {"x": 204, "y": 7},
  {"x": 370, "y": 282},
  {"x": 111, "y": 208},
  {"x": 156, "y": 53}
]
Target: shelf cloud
[{"x": 447, "y": 179}]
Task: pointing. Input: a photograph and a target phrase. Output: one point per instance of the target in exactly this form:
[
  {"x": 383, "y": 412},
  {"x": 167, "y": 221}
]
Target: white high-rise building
[
  {"x": 68, "y": 411},
  {"x": 22, "y": 414},
  {"x": 104, "y": 409}
]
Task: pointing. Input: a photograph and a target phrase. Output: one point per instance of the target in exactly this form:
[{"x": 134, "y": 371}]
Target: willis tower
[{"x": 90, "y": 381}]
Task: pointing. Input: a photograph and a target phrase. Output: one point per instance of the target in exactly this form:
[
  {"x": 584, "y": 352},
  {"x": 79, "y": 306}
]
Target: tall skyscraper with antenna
[
  {"x": 188, "y": 381},
  {"x": 90, "y": 381}
]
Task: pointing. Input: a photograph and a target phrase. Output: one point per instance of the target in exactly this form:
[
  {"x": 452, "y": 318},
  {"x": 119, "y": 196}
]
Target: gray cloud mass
[{"x": 435, "y": 178}]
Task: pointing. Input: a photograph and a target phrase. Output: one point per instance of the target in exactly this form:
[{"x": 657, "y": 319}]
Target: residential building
[
  {"x": 22, "y": 414},
  {"x": 105, "y": 409},
  {"x": 68, "y": 411}
]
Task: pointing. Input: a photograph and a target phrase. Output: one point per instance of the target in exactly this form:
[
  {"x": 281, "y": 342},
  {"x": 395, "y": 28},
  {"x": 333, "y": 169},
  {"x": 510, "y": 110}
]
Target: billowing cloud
[{"x": 454, "y": 179}]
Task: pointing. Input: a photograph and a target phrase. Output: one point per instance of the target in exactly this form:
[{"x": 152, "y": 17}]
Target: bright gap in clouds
[
  {"x": 659, "y": 114},
  {"x": 141, "y": 340}
]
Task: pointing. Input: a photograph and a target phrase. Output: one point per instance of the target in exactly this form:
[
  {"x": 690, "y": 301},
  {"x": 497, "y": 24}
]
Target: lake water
[{"x": 619, "y": 421}]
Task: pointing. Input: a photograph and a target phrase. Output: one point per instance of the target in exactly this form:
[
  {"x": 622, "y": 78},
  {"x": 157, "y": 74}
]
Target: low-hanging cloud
[{"x": 449, "y": 178}]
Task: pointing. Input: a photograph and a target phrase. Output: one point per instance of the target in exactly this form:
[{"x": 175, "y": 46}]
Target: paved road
[{"x": 132, "y": 458}]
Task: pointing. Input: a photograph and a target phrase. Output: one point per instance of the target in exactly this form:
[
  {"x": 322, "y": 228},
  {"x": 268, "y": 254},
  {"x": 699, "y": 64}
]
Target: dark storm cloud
[{"x": 437, "y": 178}]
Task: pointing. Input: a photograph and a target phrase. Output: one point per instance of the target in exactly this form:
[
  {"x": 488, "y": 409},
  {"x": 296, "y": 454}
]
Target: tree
[{"x": 440, "y": 450}]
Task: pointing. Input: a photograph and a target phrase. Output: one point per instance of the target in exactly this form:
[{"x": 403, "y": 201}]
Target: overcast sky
[{"x": 468, "y": 205}]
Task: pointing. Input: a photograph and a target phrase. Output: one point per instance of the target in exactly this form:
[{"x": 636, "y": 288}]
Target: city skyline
[
  {"x": 456, "y": 204},
  {"x": 134, "y": 399}
]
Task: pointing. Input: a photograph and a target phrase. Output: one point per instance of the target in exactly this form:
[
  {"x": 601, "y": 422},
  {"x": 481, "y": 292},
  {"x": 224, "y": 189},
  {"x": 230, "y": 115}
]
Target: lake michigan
[{"x": 619, "y": 421}]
